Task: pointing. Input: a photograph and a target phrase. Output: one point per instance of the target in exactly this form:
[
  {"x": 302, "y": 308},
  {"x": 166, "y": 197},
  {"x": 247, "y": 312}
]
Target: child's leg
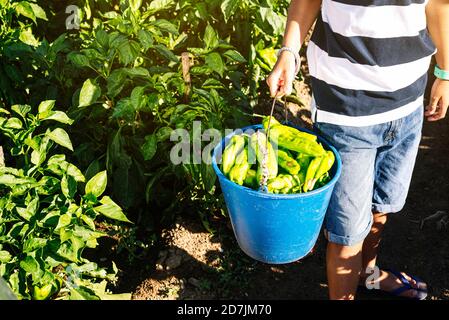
[
  {"x": 349, "y": 217},
  {"x": 370, "y": 274},
  {"x": 372, "y": 242},
  {"x": 343, "y": 264},
  {"x": 377, "y": 166}
]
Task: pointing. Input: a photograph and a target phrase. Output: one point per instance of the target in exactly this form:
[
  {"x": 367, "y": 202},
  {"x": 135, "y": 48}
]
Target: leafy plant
[
  {"x": 31, "y": 68},
  {"x": 47, "y": 219}
]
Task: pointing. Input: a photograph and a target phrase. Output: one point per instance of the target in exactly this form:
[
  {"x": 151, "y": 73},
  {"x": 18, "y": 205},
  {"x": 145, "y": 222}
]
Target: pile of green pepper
[{"x": 295, "y": 161}]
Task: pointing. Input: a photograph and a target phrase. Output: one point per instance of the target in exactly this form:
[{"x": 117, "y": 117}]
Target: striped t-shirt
[{"x": 368, "y": 60}]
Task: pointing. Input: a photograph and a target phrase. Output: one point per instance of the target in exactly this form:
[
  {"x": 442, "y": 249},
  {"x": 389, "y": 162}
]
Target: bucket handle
[{"x": 264, "y": 168}]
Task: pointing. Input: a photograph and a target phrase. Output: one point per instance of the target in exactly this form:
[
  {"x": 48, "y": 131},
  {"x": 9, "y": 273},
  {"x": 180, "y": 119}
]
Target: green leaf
[
  {"x": 13, "y": 171},
  {"x": 157, "y": 5},
  {"x": 145, "y": 38},
  {"x": 89, "y": 94},
  {"x": 128, "y": 51},
  {"x": 210, "y": 38},
  {"x": 80, "y": 60},
  {"x": 5, "y": 256},
  {"x": 268, "y": 56},
  {"x": 87, "y": 234},
  {"x": 212, "y": 83},
  {"x": 21, "y": 109},
  {"x": 102, "y": 38},
  {"x": 163, "y": 133},
  {"x": 30, "y": 265},
  {"x": 76, "y": 173},
  {"x": 31, "y": 209},
  {"x": 214, "y": 62},
  {"x": 166, "y": 25},
  {"x": 3, "y": 110},
  {"x": 136, "y": 72},
  {"x": 27, "y": 37},
  {"x": 24, "y": 8},
  {"x": 39, "y": 146},
  {"x": 82, "y": 293},
  {"x": 68, "y": 186},
  {"x": 137, "y": 97},
  {"x": 135, "y": 4},
  {"x": 64, "y": 235},
  {"x": 274, "y": 20},
  {"x": 58, "y": 44},
  {"x": 124, "y": 109},
  {"x": 111, "y": 210},
  {"x": 149, "y": 147},
  {"x": 31, "y": 244},
  {"x": 116, "y": 81},
  {"x": 13, "y": 123},
  {"x": 58, "y": 116},
  {"x": 228, "y": 8},
  {"x": 88, "y": 221},
  {"x": 235, "y": 55},
  {"x": 11, "y": 180},
  {"x": 97, "y": 185},
  {"x": 166, "y": 53},
  {"x": 46, "y": 106},
  {"x": 38, "y": 11},
  {"x": 64, "y": 221},
  {"x": 61, "y": 137}
]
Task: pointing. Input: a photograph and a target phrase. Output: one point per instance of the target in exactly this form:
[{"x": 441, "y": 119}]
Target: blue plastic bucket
[{"x": 275, "y": 228}]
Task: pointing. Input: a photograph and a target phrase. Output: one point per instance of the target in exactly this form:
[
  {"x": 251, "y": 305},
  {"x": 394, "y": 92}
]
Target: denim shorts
[{"x": 377, "y": 166}]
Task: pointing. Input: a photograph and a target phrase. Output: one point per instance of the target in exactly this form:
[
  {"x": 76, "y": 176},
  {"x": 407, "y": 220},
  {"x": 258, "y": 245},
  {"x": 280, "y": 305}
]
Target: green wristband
[{"x": 442, "y": 74}]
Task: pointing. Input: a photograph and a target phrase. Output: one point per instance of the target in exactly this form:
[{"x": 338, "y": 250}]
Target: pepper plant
[{"x": 48, "y": 214}]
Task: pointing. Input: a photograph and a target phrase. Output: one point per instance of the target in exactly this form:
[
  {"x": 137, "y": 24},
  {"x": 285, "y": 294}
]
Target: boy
[{"x": 368, "y": 62}]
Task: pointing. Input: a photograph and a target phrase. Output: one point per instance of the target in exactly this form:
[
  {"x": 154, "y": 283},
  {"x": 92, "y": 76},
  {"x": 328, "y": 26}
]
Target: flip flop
[{"x": 422, "y": 293}]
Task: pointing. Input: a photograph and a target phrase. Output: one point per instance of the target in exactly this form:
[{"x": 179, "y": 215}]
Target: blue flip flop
[{"x": 422, "y": 293}]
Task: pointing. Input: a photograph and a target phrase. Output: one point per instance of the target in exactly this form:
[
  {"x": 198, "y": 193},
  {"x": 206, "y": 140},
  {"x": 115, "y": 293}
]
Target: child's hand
[
  {"x": 282, "y": 76},
  {"x": 439, "y": 100}
]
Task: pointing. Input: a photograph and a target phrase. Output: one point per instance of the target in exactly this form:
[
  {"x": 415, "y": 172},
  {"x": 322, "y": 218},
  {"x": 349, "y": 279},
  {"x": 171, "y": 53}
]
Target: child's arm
[
  {"x": 301, "y": 16},
  {"x": 438, "y": 25}
]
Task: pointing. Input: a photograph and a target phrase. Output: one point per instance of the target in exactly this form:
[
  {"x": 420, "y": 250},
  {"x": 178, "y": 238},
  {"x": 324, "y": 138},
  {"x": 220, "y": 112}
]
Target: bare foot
[{"x": 388, "y": 282}]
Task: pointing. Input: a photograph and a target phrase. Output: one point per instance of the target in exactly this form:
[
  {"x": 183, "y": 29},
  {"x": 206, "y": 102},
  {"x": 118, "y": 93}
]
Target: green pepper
[
  {"x": 235, "y": 145},
  {"x": 310, "y": 174},
  {"x": 303, "y": 161},
  {"x": 287, "y": 162},
  {"x": 259, "y": 146},
  {"x": 277, "y": 183},
  {"x": 287, "y": 129},
  {"x": 323, "y": 180},
  {"x": 42, "y": 293},
  {"x": 297, "y": 179},
  {"x": 298, "y": 144},
  {"x": 284, "y": 130},
  {"x": 240, "y": 169},
  {"x": 251, "y": 179},
  {"x": 273, "y": 122},
  {"x": 325, "y": 165},
  {"x": 283, "y": 183}
]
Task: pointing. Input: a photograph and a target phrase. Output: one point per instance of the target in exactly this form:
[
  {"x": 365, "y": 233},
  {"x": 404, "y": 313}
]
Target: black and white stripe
[{"x": 368, "y": 60}]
